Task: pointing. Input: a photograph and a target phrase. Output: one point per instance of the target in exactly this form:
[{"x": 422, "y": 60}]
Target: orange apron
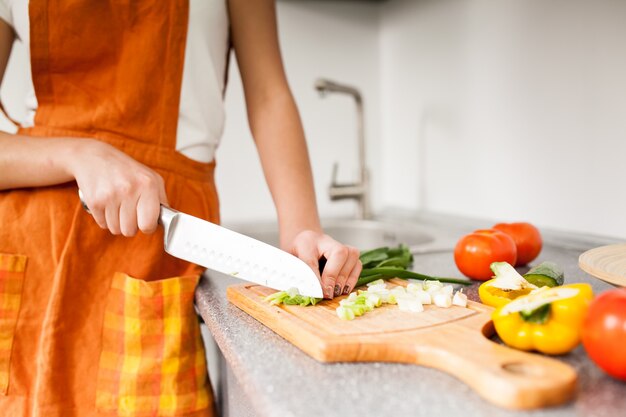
[{"x": 93, "y": 324}]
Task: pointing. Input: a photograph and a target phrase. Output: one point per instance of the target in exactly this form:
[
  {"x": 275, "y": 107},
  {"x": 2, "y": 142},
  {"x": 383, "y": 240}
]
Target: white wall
[
  {"x": 512, "y": 110},
  {"x": 336, "y": 40}
]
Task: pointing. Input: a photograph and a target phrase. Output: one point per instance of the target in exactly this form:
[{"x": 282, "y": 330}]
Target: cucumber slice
[{"x": 546, "y": 274}]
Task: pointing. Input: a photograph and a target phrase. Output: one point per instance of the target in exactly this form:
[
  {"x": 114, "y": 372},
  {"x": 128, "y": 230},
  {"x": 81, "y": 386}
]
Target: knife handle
[
  {"x": 82, "y": 201},
  {"x": 166, "y": 216}
]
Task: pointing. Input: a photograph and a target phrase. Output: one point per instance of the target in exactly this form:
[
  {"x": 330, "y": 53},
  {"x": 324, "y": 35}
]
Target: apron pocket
[
  {"x": 12, "y": 269},
  {"x": 152, "y": 361}
]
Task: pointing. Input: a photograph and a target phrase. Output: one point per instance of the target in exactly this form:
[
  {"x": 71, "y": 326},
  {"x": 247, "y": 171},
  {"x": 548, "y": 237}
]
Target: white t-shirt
[{"x": 201, "y": 112}]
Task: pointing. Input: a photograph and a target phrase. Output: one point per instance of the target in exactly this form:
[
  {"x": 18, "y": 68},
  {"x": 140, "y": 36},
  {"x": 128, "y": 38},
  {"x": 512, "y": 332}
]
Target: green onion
[
  {"x": 291, "y": 297},
  {"x": 387, "y": 263}
]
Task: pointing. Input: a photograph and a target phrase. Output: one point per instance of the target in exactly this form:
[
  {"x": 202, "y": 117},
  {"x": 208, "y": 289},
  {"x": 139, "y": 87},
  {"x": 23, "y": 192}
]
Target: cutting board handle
[{"x": 504, "y": 376}]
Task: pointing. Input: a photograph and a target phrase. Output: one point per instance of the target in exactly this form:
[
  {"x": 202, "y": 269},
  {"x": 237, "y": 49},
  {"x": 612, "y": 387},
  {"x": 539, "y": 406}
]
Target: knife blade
[
  {"x": 220, "y": 249},
  {"x": 223, "y": 250}
]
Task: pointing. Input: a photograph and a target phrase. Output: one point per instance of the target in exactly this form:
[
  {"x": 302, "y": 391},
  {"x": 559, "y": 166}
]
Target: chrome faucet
[{"x": 359, "y": 190}]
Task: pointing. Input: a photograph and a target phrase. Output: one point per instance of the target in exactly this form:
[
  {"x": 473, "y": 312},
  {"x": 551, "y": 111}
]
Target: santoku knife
[{"x": 223, "y": 250}]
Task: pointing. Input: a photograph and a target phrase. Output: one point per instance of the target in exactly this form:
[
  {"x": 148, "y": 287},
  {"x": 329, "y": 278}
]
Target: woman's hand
[
  {"x": 122, "y": 194},
  {"x": 342, "y": 268}
]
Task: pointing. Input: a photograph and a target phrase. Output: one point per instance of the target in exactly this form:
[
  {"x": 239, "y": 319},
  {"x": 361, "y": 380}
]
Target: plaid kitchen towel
[{"x": 152, "y": 361}]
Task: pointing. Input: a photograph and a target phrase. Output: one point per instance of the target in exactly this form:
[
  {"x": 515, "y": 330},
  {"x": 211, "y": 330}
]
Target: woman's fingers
[
  {"x": 128, "y": 216},
  {"x": 342, "y": 263},
  {"x": 162, "y": 193},
  {"x": 353, "y": 276},
  {"x": 346, "y": 280},
  {"x": 97, "y": 211},
  {"x": 135, "y": 213},
  {"x": 341, "y": 285},
  {"x": 132, "y": 215},
  {"x": 112, "y": 216},
  {"x": 99, "y": 217},
  {"x": 336, "y": 257},
  {"x": 148, "y": 209}
]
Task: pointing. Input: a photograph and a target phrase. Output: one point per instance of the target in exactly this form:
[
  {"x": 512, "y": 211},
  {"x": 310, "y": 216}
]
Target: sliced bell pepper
[
  {"x": 549, "y": 320},
  {"x": 507, "y": 285},
  {"x": 496, "y": 297}
]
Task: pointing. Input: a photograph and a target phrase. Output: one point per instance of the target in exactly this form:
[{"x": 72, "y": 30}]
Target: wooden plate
[{"x": 607, "y": 263}]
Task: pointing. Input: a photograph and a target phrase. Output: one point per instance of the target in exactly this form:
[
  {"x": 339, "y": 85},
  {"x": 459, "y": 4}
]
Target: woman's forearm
[
  {"x": 35, "y": 162},
  {"x": 279, "y": 137}
]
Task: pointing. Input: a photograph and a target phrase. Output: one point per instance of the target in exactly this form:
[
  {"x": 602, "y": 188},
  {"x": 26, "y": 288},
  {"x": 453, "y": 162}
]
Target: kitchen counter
[{"x": 268, "y": 376}]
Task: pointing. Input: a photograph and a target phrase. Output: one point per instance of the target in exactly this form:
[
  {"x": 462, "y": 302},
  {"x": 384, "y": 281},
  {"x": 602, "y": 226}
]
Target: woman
[{"x": 95, "y": 320}]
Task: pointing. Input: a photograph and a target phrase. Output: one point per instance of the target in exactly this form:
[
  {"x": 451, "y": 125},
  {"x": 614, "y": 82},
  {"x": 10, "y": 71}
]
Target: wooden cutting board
[
  {"x": 607, "y": 263},
  {"x": 452, "y": 340}
]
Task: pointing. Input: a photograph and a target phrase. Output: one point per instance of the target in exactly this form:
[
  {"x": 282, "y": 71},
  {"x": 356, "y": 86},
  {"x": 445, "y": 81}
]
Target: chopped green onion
[
  {"x": 459, "y": 299},
  {"x": 291, "y": 297},
  {"x": 408, "y": 303},
  {"x": 377, "y": 282},
  {"x": 442, "y": 299},
  {"x": 345, "y": 313}
]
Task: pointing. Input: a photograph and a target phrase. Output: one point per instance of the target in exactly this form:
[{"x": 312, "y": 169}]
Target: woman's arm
[
  {"x": 124, "y": 200},
  {"x": 279, "y": 137}
]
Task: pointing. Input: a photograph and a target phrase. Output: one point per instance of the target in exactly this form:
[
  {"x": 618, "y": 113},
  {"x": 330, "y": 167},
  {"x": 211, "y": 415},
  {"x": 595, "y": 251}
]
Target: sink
[
  {"x": 371, "y": 234},
  {"x": 362, "y": 234}
]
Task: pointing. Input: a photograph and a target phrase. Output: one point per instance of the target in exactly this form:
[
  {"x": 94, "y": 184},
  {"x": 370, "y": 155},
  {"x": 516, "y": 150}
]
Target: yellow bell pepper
[
  {"x": 496, "y": 297},
  {"x": 548, "y": 320}
]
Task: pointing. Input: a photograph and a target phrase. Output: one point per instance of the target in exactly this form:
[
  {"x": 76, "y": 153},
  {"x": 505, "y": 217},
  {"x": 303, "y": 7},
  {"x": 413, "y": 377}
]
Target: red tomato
[
  {"x": 604, "y": 332},
  {"x": 527, "y": 240},
  {"x": 475, "y": 252}
]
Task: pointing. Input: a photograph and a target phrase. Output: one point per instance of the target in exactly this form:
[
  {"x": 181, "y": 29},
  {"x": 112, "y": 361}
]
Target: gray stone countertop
[{"x": 281, "y": 380}]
